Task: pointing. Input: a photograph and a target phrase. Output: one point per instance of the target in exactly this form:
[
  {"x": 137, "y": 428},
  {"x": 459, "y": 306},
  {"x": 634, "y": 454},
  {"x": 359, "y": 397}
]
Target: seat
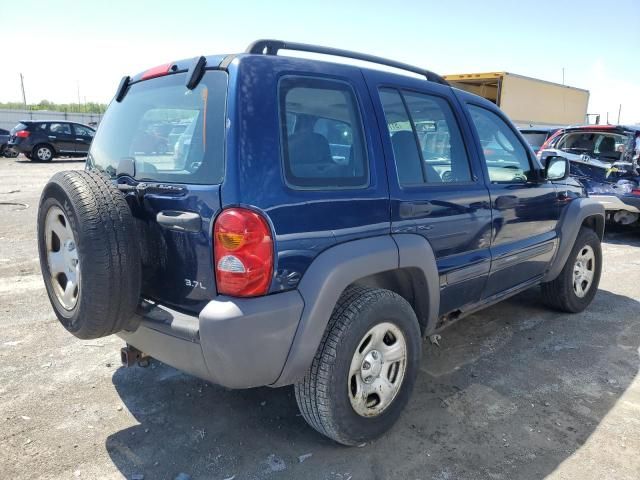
[
  {"x": 310, "y": 155},
  {"x": 607, "y": 147},
  {"x": 408, "y": 160}
]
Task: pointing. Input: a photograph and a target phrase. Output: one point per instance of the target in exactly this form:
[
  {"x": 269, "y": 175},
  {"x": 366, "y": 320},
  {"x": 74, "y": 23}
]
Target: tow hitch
[{"x": 131, "y": 356}]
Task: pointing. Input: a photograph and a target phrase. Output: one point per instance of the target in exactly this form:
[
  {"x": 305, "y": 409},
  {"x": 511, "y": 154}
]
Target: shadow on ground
[
  {"x": 26, "y": 161},
  {"x": 511, "y": 393}
]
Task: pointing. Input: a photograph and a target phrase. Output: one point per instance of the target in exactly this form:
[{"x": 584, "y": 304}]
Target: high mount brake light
[
  {"x": 243, "y": 253},
  {"x": 158, "y": 71}
]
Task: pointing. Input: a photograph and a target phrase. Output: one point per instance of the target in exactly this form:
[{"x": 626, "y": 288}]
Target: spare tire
[{"x": 89, "y": 253}]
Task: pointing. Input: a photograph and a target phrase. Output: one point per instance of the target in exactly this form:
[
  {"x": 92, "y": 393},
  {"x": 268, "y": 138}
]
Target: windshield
[
  {"x": 172, "y": 134},
  {"x": 606, "y": 146}
]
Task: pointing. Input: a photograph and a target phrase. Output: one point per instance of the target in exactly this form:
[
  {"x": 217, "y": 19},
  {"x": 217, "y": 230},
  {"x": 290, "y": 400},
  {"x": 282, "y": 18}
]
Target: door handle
[
  {"x": 53, "y": 136},
  {"x": 80, "y": 139},
  {"x": 179, "y": 221},
  {"x": 415, "y": 209}
]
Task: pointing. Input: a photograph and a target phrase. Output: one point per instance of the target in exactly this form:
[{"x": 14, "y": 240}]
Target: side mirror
[{"x": 556, "y": 168}]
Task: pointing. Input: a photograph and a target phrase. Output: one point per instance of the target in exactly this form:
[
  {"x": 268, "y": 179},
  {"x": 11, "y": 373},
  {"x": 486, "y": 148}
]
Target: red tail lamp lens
[{"x": 243, "y": 253}]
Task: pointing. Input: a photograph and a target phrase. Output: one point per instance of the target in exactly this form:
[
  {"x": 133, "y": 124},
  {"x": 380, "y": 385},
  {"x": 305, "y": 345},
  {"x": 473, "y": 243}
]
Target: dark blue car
[{"x": 256, "y": 219}]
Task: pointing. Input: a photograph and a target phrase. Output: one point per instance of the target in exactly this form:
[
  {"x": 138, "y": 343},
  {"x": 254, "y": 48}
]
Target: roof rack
[{"x": 271, "y": 47}]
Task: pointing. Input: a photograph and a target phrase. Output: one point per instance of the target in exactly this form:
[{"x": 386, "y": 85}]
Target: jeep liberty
[{"x": 259, "y": 219}]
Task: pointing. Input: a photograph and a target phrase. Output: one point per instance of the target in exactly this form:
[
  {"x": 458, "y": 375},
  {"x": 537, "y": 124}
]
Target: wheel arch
[
  {"x": 581, "y": 212},
  {"x": 395, "y": 262}
]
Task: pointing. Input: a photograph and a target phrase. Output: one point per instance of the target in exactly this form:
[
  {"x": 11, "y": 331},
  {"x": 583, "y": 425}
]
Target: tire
[
  {"x": 563, "y": 293},
  {"x": 89, "y": 253},
  {"x": 42, "y": 153},
  {"x": 11, "y": 153},
  {"x": 325, "y": 395}
]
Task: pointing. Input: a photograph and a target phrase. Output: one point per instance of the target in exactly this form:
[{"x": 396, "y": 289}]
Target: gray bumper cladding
[{"x": 235, "y": 342}]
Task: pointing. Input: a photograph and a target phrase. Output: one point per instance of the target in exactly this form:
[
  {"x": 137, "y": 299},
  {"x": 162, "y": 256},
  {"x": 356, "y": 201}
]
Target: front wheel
[
  {"x": 573, "y": 290},
  {"x": 363, "y": 373}
]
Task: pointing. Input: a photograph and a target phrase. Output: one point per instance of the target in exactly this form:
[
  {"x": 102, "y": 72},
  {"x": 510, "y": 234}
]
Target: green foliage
[{"x": 89, "y": 107}]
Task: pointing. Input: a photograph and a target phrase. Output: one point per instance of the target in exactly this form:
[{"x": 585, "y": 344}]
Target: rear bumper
[
  {"x": 630, "y": 203},
  {"x": 234, "y": 342}
]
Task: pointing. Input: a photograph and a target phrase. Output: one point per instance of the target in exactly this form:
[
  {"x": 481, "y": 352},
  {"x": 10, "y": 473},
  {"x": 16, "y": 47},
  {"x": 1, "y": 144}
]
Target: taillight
[
  {"x": 158, "y": 71},
  {"x": 243, "y": 253},
  {"x": 22, "y": 134},
  {"x": 635, "y": 191}
]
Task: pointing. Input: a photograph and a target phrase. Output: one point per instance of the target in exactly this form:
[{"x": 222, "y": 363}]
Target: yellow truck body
[{"x": 527, "y": 100}]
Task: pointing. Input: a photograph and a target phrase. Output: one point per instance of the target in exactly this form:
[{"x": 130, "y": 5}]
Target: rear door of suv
[
  {"x": 61, "y": 137},
  {"x": 173, "y": 185},
  {"x": 436, "y": 182}
]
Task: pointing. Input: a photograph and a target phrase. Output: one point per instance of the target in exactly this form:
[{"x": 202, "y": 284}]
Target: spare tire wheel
[{"x": 89, "y": 253}]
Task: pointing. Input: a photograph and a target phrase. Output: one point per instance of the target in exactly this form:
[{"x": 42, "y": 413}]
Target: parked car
[
  {"x": 537, "y": 135},
  {"x": 5, "y": 150},
  {"x": 43, "y": 140},
  {"x": 308, "y": 232},
  {"x": 602, "y": 159}
]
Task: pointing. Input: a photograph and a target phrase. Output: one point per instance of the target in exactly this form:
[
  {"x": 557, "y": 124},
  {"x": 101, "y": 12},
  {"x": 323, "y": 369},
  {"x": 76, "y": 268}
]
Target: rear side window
[
  {"x": 322, "y": 140},
  {"x": 426, "y": 140},
  {"x": 83, "y": 131},
  {"x": 171, "y": 133}
]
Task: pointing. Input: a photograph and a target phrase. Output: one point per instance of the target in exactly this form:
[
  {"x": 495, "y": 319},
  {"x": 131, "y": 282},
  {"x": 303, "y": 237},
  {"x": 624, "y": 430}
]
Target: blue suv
[{"x": 257, "y": 219}]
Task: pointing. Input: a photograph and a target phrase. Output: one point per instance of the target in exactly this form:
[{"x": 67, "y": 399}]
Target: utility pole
[
  {"x": 78, "y": 84},
  {"x": 24, "y": 97},
  {"x": 562, "y": 75},
  {"x": 619, "y": 110}
]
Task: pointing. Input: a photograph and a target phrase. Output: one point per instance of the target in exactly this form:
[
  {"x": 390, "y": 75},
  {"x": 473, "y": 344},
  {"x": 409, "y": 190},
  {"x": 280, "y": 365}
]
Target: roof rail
[{"x": 271, "y": 47}]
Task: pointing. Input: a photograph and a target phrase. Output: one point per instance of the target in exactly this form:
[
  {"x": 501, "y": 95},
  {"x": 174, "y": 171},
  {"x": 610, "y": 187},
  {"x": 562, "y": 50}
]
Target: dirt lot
[{"x": 514, "y": 392}]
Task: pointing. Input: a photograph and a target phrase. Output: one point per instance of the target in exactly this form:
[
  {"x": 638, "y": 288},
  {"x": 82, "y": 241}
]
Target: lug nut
[
  {"x": 366, "y": 366},
  {"x": 374, "y": 354}
]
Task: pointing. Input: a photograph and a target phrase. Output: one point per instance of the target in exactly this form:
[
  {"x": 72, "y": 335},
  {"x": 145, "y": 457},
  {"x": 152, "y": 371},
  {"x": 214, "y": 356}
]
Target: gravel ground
[{"x": 514, "y": 392}]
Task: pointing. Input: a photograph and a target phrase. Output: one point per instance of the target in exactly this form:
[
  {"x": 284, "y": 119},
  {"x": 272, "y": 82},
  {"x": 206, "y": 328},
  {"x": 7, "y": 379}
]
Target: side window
[
  {"x": 321, "y": 128},
  {"x": 83, "y": 131},
  {"x": 426, "y": 140},
  {"x": 507, "y": 159},
  {"x": 60, "y": 128}
]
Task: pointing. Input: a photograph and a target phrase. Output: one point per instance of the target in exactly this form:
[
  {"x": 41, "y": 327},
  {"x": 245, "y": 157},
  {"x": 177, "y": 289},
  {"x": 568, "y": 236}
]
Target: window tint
[
  {"x": 507, "y": 159},
  {"x": 323, "y": 145},
  {"x": 172, "y": 134},
  {"x": 607, "y": 146},
  {"x": 83, "y": 131},
  {"x": 427, "y": 144},
  {"x": 60, "y": 128}
]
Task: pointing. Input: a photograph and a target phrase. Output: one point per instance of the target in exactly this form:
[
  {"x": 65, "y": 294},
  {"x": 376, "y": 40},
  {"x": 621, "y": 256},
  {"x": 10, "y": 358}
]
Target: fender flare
[
  {"x": 569, "y": 225},
  {"x": 329, "y": 275}
]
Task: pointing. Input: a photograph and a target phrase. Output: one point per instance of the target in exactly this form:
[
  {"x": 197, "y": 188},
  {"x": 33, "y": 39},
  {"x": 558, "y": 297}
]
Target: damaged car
[{"x": 604, "y": 159}]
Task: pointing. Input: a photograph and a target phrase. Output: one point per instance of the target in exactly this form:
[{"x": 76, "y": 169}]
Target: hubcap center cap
[{"x": 371, "y": 366}]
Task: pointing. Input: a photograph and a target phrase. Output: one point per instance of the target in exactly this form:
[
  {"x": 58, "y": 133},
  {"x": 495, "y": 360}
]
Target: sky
[{"x": 70, "y": 45}]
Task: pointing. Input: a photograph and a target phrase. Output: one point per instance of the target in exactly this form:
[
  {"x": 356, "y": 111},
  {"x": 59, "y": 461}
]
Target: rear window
[
  {"x": 172, "y": 134},
  {"x": 323, "y": 144},
  {"x": 18, "y": 127},
  {"x": 535, "y": 139}
]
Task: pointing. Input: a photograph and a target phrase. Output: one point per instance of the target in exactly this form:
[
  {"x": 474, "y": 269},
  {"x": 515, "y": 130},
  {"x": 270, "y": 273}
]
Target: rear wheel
[
  {"x": 43, "y": 153},
  {"x": 363, "y": 373},
  {"x": 573, "y": 290}
]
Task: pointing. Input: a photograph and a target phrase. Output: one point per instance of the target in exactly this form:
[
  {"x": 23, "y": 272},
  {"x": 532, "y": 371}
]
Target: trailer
[{"x": 527, "y": 100}]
